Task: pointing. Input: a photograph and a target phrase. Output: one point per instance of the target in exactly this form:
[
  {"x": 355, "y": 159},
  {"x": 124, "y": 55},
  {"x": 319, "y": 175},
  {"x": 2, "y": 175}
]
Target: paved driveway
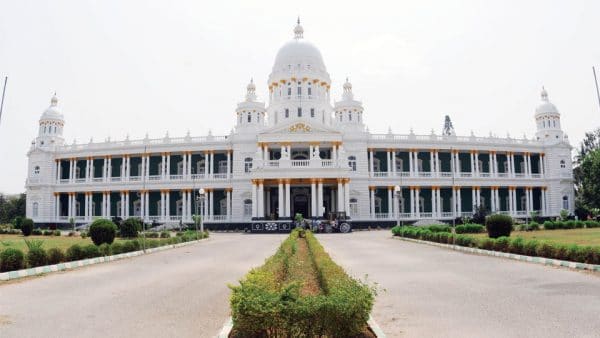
[
  {"x": 174, "y": 293},
  {"x": 434, "y": 292}
]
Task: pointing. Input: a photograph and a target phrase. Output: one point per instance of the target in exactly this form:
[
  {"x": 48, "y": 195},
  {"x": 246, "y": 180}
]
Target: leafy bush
[
  {"x": 530, "y": 247},
  {"x": 102, "y": 231},
  {"x": 11, "y": 259},
  {"x": 116, "y": 248},
  {"x": 36, "y": 255},
  {"x": 130, "y": 246},
  {"x": 549, "y": 225},
  {"x": 104, "y": 249},
  {"x": 91, "y": 251},
  {"x": 75, "y": 252},
  {"x": 56, "y": 232},
  {"x": 83, "y": 234},
  {"x": 469, "y": 228},
  {"x": 464, "y": 240},
  {"x": 130, "y": 227},
  {"x": 545, "y": 249},
  {"x": 152, "y": 234},
  {"x": 55, "y": 256},
  {"x": 36, "y": 232},
  {"x": 47, "y": 233},
  {"x": 165, "y": 234},
  {"x": 592, "y": 224},
  {"x": 498, "y": 225},
  {"x": 516, "y": 245},
  {"x": 17, "y": 222},
  {"x": 438, "y": 228},
  {"x": 501, "y": 244},
  {"x": 27, "y": 226}
]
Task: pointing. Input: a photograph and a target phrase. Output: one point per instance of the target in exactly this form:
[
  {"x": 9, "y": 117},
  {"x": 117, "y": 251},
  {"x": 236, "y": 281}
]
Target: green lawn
[
  {"x": 573, "y": 236},
  {"x": 62, "y": 242}
]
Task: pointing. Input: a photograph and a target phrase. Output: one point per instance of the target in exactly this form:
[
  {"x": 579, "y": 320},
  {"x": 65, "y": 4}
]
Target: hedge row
[
  {"x": 549, "y": 225},
  {"x": 469, "y": 228},
  {"x": 14, "y": 259},
  {"x": 517, "y": 245},
  {"x": 266, "y": 305}
]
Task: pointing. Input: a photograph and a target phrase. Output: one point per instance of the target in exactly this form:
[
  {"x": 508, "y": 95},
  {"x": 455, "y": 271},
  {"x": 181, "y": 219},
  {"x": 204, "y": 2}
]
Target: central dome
[{"x": 298, "y": 53}]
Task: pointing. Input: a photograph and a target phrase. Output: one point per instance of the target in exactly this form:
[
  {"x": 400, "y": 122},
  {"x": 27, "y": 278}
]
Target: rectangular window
[
  {"x": 249, "y": 118},
  {"x": 349, "y": 116},
  {"x": 299, "y": 112},
  {"x": 287, "y": 113},
  {"x": 309, "y": 91},
  {"x": 312, "y": 111},
  {"x": 289, "y": 91}
]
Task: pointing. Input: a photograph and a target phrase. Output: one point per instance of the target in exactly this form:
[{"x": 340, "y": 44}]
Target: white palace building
[{"x": 299, "y": 154}]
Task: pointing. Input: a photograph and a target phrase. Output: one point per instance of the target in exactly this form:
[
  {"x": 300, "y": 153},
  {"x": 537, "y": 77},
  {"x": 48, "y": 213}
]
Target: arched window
[
  {"x": 312, "y": 112},
  {"x": 349, "y": 116},
  {"x": 35, "y": 209},
  {"x": 565, "y": 202},
  {"x": 299, "y": 88},
  {"x": 247, "y": 164},
  {"x": 36, "y": 170},
  {"x": 289, "y": 89},
  {"x": 248, "y": 208},
  {"x": 309, "y": 89},
  {"x": 352, "y": 162},
  {"x": 287, "y": 113},
  {"x": 249, "y": 117}
]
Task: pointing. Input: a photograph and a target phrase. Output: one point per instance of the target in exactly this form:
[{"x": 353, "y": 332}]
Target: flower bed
[
  {"x": 515, "y": 245},
  {"x": 300, "y": 291}
]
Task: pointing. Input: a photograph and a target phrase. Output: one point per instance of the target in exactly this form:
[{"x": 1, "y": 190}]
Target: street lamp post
[{"x": 200, "y": 199}]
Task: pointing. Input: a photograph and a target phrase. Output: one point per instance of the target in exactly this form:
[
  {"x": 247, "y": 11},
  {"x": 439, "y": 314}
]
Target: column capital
[
  {"x": 346, "y": 180},
  {"x": 228, "y": 189},
  {"x": 372, "y": 188}
]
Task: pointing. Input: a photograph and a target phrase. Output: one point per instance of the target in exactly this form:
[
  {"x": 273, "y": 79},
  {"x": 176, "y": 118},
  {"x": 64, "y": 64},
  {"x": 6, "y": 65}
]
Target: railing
[
  {"x": 135, "y": 178},
  {"x": 466, "y": 174},
  {"x": 520, "y": 175},
  {"x": 447, "y": 214},
  {"x": 380, "y": 174},
  {"x": 154, "y": 178},
  {"x": 176, "y": 177},
  {"x": 502, "y": 175},
  {"x": 197, "y": 176},
  {"x": 445, "y": 174},
  {"x": 382, "y": 215},
  {"x": 536, "y": 175},
  {"x": 405, "y": 215},
  {"x": 153, "y": 218},
  {"x": 466, "y": 214},
  {"x": 300, "y": 163},
  {"x": 484, "y": 174},
  {"x": 142, "y": 142},
  {"x": 424, "y": 174},
  {"x": 521, "y": 212},
  {"x": 403, "y": 173},
  {"x": 98, "y": 179},
  {"x": 174, "y": 218},
  {"x": 327, "y": 163},
  {"x": 115, "y": 179},
  {"x": 454, "y": 139},
  {"x": 220, "y": 176},
  {"x": 80, "y": 180},
  {"x": 272, "y": 164},
  {"x": 64, "y": 180},
  {"x": 426, "y": 215},
  {"x": 219, "y": 217}
]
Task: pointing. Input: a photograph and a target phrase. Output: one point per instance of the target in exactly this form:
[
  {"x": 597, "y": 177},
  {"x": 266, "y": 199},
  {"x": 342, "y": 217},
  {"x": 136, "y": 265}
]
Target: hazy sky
[{"x": 137, "y": 67}]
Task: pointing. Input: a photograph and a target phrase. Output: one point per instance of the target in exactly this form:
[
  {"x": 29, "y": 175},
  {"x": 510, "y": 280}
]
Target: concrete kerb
[
  {"x": 40, "y": 270},
  {"x": 523, "y": 258},
  {"x": 228, "y": 326}
]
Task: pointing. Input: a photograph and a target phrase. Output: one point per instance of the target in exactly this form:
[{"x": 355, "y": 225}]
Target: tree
[
  {"x": 11, "y": 207},
  {"x": 583, "y": 191},
  {"x": 590, "y": 142},
  {"x": 588, "y": 185}
]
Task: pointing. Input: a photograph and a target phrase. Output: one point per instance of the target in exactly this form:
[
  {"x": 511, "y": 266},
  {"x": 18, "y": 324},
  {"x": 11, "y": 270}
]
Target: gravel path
[
  {"x": 175, "y": 293},
  {"x": 434, "y": 292}
]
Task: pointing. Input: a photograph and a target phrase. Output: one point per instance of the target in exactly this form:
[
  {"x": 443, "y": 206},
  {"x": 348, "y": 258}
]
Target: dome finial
[
  {"x": 298, "y": 30},
  {"x": 54, "y": 100},
  {"x": 251, "y": 91},
  {"x": 544, "y": 94}
]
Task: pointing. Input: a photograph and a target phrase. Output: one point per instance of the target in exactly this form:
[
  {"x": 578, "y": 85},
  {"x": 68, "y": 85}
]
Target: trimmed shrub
[
  {"x": 516, "y": 245},
  {"x": 102, "y": 231},
  {"x": 575, "y": 253},
  {"x": 470, "y": 228},
  {"x": 55, "y": 256},
  {"x": 549, "y": 225},
  {"x": 579, "y": 224},
  {"x": 104, "y": 249},
  {"x": 129, "y": 246},
  {"x": 464, "y": 240},
  {"x": 545, "y": 249},
  {"x": 152, "y": 234},
  {"x": 47, "y": 233},
  {"x": 501, "y": 244},
  {"x": 165, "y": 234},
  {"x": 11, "y": 259},
  {"x": 91, "y": 251},
  {"x": 130, "y": 227},
  {"x": 27, "y": 226},
  {"x": 561, "y": 252},
  {"x": 37, "y": 232},
  {"x": 438, "y": 228},
  {"x": 17, "y": 222},
  {"x": 592, "y": 254},
  {"x": 56, "y": 232},
  {"x": 530, "y": 247},
  {"x": 498, "y": 225},
  {"x": 116, "y": 248},
  {"x": 75, "y": 252},
  {"x": 486, "y": 244},
  {"x": 570, "y": 224}
]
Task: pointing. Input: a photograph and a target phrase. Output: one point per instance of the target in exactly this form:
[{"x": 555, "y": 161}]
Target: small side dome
[{"x": 546, "y": 107}]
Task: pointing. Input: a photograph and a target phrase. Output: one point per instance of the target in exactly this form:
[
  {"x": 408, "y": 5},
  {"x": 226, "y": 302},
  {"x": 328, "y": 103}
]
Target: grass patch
[{"x": 589, "y": 237}]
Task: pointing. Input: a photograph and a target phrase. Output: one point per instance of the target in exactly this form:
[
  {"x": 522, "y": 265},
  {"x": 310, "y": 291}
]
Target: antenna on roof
[{"x": 3, "y": 91}]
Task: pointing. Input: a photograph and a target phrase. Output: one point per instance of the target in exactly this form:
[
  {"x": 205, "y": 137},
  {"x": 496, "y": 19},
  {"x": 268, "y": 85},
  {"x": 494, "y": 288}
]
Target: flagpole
[
  {"x": 3, "y": 92},
  {"x": 596, "y": 81}
]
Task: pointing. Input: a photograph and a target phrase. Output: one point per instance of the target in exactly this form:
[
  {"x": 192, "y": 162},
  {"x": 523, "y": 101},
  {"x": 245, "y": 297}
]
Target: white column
[
  {"x": 127, "y": 212},
  {"x": 411, "y": 167},
  {"x": 108, "y": 205},
  {"x": 71, "y": 174},
  {"x": 184, "y": 157},
  {"x": 142, "y": 202},
  {"x": 211, "y": 204},
  {"x": 340, "y": 196},
  {"x": 347, "y": 196},
  {"x": 388, "y": 158},
  {"x": 513, "y": 201},
  {"x": 287, "y": 199},
  {"x": 478, "y": 196},
  {"x": 162, "y": 205},
  {"x": 453, "y": 204},
  {"x": 168, "y": 167},
  {"x": 393, "y": 164},
  {"x": 183, "y": 203},
  {"x": 229, "y": 204},
  {"x": 457, "y": 162},
  {"x": 228, "y": 164},
  {"x": 280, "y": 199},
  {"x": 527, "y": 199},
  {"x": 56, "y": 206},
  {"x": 542, "y": 166},
  {"x": 492, "y": 199},
  {"x": 498, "y": 202},
  {"x": 267, "y": 203},
  {"x": 512, "y": 165},
  {"x": 148, "y": 166},
  {"x": 432, "y": 163},
  {"x": 313, "y": 199},
  {"x": 438, "y": 167},
  {"x": 459, "y": 202},
  {"x": 412, "y": 202},
  {"x": 57, "y": 171},
  {"x": 122, "y": 195},
  {"x": 319, "y": 198},
  {"x": 439, "y": 202},
  {"x": 261, "y": 199},
  {"x": 254, "y": 200},
  {"x": 529, "y": 165},
  {"x": 543, "y": 206},
  {"x": 433, "y": 202},
  {"x": 371, "y": 162},
  {"x": 86, "y": 207},
  {"x": 162, "y": 166},
  {"x": 70, "y": 206},
  {"x": 417, "y": 202},
  {"x": 206, "y": 164},
  {"x": 477, "y": 168},
  {"x": 147, "y": 205},
  {"x": 168, "y": 204},
  {"x": 372, "y": 201},
  {"x": 128, "y": 173},
  {"x": 472, "y": 164},
  {"x": 212, "y": 161},
  {"x": 189, "y": 166}
]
